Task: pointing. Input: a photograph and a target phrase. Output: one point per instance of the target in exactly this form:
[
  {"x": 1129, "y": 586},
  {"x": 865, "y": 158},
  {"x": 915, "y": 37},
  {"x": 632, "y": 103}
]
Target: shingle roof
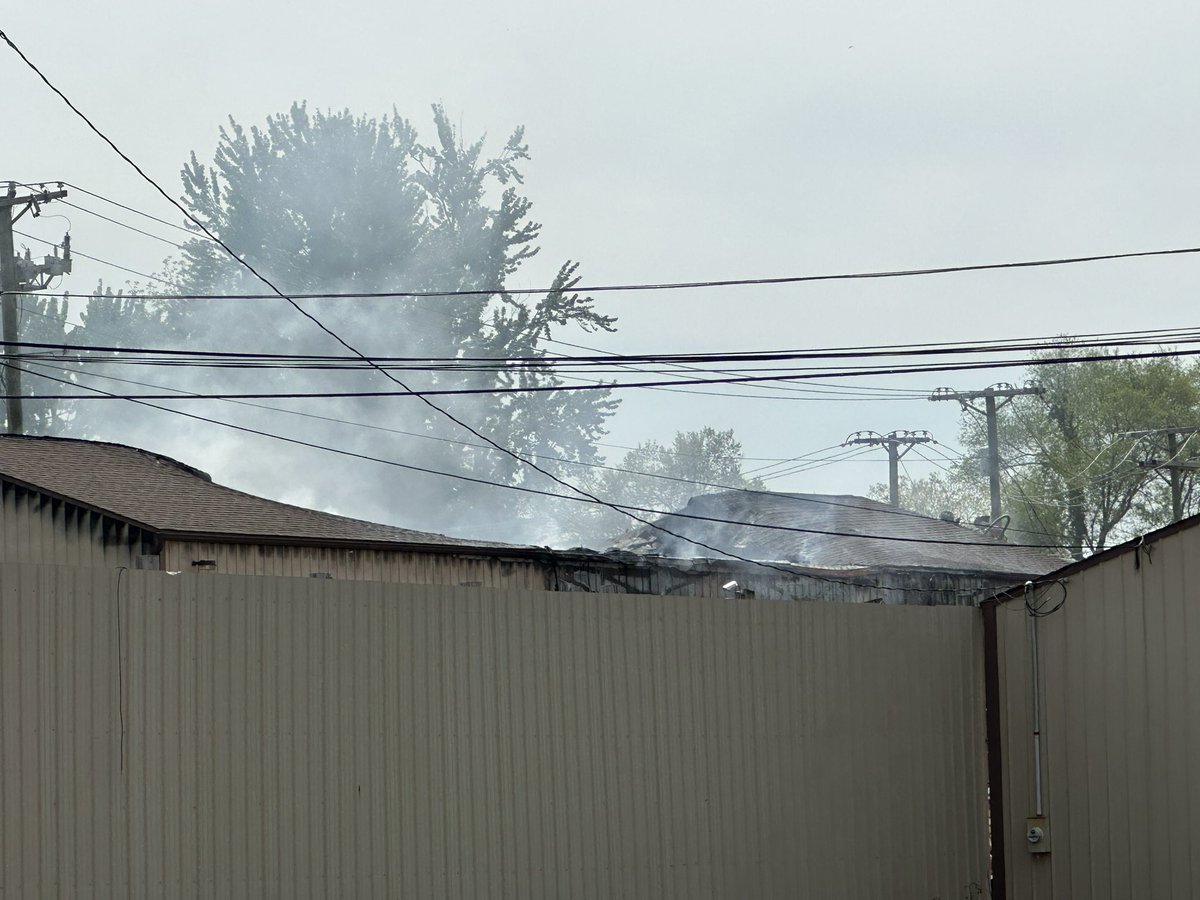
[
  {"x": 169, "y": 497},
  {"x": 852, "y": 519}
]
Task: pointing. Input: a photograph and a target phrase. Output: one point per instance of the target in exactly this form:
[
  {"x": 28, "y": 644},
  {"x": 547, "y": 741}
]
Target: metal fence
[{"x": 237, "y": 736}]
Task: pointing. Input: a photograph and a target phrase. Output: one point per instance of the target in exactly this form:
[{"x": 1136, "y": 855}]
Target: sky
[{"x": 672, "y": 142}]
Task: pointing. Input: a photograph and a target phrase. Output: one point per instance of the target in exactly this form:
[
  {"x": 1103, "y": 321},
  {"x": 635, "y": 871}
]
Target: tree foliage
[
  {"x": 950, "y": 492},
  {"x": 1071, "y": 469},
  {"x": 1071, "y": 473},
  {"x": 662, "y": 477},
  {"x": 334, "y": 202}
]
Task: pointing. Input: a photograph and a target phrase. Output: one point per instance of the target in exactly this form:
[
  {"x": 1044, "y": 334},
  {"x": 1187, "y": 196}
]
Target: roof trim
[
  {"x": 1080, "y": 565},
  {"x": 283, "y": 540}
]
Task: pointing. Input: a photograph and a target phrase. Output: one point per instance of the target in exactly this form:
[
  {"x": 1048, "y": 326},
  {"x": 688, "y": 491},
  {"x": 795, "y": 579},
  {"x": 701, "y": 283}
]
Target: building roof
[
  {"x": 833, "y": 532},
  {"x": 167, "y": 497}
]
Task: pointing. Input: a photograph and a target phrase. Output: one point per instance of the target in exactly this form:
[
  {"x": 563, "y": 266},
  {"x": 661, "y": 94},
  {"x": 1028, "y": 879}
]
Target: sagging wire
[{"x": 1041, "y": 609}]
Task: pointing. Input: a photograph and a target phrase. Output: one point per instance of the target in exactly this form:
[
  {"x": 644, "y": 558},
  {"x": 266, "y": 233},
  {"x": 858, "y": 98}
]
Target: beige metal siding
[
  {"x": 312, "y": 738},
  {"x": 41, "y": 529},
  {"x": 1120, "y": 730},
  {"x": 343, "y": 564},
  {"x": 601, "y": 574}
]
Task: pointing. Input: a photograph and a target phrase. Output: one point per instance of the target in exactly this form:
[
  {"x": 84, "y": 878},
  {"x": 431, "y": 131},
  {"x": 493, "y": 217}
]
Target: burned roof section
[{"x": 832, "y": 532}]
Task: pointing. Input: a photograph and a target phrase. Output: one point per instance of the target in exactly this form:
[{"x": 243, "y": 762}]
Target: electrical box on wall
[{"x": 1037, "y": 834}]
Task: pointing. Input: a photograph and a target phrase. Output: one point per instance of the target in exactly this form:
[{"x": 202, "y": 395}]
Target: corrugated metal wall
[
  {"x": 270, "y": 737},
  {"x": 42, "y": 529},
  {"x": 566, "y": 571},
  {"x": 1120, "y": 666},
  {"x": 346, "y": 564}
]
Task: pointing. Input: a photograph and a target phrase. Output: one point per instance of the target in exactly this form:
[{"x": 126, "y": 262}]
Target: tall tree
[
  {"x": 43, "y": 320},
  {"x": 1071, "y": 467},
  {"x": 333, "y": 202},
  {"x": 660, "y": 477},
  {"x": 952, "y": 491}
]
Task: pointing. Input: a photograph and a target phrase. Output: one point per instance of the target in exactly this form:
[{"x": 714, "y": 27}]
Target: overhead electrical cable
[
  {"x": 125, "y": 225},
  {"x": 80, "y": 253},
  {"x": 853, "y": 453},
  {"x": 763, "y": 390},
  {"x": 813, "y": 455},
  {"x": 808, "y": 392},
  {"x": 1181, "y": 335},
  {"x": 188, "y": 231},
  {"x": 774, "y": 390},
  {"x": 579, "y": 499},
  {"x": 559, "y": 388},
  {"x": 601, "y": 288},
  {"x": 1043, "y": 533},
  {"x": 693, "y": 285},
  {"x": 438, "y": 409},
  {"x": 458, "y": 442}
]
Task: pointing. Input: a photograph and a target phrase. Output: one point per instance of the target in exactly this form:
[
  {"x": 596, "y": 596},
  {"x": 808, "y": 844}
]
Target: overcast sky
[{"x": 673, "y": 142}]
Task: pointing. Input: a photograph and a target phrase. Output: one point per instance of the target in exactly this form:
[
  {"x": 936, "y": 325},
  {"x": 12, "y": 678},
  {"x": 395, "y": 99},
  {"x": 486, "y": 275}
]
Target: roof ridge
[{"x": 153, "y": 454}]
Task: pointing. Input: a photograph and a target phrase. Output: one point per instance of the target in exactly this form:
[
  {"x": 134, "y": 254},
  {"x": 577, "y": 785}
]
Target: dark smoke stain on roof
[{"x": 863, "y": 527}]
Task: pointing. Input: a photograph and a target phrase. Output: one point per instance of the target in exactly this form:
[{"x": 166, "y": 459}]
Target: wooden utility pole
[
  {"x": 21, "y": 275},
  {"x": 1175, "y": 468},
  {"x": 893, "y": 440},
  {"x": 1004, "y": 393}
]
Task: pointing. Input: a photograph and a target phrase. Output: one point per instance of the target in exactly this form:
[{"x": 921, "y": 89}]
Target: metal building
[
  {"x": 1095, "y": 724},
  {"x": 89, "y": 503}
]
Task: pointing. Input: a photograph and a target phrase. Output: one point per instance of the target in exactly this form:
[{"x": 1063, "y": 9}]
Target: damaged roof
[
  {"x": 165, "y": 496},
  {"x": 829, "y": 531}
]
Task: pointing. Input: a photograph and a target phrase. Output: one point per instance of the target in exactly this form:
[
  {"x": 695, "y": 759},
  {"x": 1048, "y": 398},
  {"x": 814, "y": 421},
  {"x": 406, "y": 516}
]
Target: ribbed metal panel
[
  {"x": 42, "y": 529},
  {"x": 313, "y": 738},
  {"x": 1120, "y": 729},
  {"x": 343, "y": 564},
  {"x": 626, "y": 574}
]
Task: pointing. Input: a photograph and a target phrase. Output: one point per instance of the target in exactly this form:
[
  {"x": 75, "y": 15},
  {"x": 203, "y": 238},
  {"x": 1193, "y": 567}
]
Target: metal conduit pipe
[{"x": 1037, "y": 701}]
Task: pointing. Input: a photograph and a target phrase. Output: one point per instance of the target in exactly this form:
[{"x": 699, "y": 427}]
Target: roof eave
[
  {"x": 1079, "y": 565},
  {"x": 283, "y": 540}
]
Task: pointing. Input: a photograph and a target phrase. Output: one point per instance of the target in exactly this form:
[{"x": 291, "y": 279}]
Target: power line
[
  {"x": 250, "y": 268},
  {"x": 1067, "y": 342},
  {"x": 664, "y": 451},
  {"x": 590, "y": 386},
  {"x": 846, "y": 456},
  {"x": 689, "y": 285},
  {"x": 103, "y": 262},
  {"x": 785, "y": 389},
  {"x": 117, "y": 203},
  {"x": 602, "y": 288},
  {"x": 126, "y": 225},
  {"x": 813, "y": 456},
  {"x": 582, "y": 498}
]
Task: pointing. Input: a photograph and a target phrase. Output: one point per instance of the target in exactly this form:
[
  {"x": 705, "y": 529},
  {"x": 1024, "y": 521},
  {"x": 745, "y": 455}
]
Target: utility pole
[
  {"x": 17, "y": 274},
  {"x": 1004, "y": 393},
  {"x": 893, "y": 440},
  {"x": 1174, "y": 467}
]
